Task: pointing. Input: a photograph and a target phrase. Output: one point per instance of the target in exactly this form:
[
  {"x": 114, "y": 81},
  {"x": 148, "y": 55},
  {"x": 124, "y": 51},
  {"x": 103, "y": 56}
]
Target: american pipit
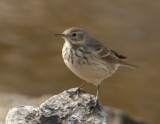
[{"x": 88, "y": 58}]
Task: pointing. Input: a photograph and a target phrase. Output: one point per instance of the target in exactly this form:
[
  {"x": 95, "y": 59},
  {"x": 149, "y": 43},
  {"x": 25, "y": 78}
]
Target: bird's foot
[
  {"x": 78, "y": 91},
  {"x": 96, "y": 106}
]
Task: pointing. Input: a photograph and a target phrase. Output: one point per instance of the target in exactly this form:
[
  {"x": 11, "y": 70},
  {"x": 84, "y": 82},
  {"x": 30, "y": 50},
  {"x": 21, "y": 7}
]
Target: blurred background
[{"x": 32, "y": 68}]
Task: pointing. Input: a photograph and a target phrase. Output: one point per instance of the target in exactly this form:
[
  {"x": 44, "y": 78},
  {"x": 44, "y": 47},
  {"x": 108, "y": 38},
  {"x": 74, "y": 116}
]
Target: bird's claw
[
  {"x": 96, "y": 106},
  {"x": 78, "y": 91}
]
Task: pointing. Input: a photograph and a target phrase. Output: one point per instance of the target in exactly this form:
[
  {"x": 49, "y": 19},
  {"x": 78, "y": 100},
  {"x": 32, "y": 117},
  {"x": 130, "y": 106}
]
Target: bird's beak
[{"x": 59, "y": 35}]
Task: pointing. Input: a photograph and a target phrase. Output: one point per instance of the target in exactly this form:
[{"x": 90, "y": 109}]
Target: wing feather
[{"x": 104, "y": 52}]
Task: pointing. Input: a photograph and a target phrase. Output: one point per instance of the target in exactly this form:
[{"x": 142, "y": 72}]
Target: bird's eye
[{"x": 74, "y": 34}]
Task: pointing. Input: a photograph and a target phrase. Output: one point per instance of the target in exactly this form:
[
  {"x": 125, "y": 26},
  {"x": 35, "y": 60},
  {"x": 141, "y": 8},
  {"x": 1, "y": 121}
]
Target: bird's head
[{"x": 74, "y": 35}]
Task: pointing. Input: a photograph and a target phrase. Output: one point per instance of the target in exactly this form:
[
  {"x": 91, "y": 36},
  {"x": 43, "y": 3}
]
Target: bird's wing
[
  {"x": 118, "y": 55},
  {"x": 105, "y": 52}
]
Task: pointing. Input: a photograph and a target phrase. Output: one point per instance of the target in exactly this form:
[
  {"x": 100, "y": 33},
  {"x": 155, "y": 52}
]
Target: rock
[
  {"x": 59, "y": 109},
  {"x": 23, "y": 115},
  {"x": 63, "y": 109},
  {"x": 119, "y": 117}
]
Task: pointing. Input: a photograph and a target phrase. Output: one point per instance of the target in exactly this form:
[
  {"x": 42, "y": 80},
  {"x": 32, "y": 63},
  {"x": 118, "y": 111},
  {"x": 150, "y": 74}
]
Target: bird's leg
[
  {"x": 82, "y": 85},
  {"x": 78, "y": 89},
  {"x": 97, "y": 104}
]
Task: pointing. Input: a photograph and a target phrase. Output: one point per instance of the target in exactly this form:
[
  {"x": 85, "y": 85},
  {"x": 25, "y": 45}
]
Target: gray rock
[
  {"x": 63, "y": 109},
  {"x": 23, "y": 115},
  {"x": 60, "y": 109}
]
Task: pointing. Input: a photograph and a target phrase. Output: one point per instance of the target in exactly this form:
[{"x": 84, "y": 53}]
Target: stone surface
[
  {"x": 63, "y": 109},
  {"x": 59, "y": 109},
  {"x": 23, "y": 115}
]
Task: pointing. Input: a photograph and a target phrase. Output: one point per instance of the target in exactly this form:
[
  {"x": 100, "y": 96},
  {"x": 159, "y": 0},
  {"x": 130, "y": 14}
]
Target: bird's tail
[{"x": 123, "y": 63}]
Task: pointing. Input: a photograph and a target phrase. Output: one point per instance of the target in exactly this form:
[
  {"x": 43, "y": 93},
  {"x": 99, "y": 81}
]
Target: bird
[{"x": 89, "y": 59}]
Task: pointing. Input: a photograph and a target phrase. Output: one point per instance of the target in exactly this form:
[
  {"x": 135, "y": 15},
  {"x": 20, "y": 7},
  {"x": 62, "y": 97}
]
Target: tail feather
[{"x": 123, "y": 63}]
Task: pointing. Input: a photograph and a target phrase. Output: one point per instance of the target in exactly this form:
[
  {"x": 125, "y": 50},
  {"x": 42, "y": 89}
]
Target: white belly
[
  {"x": 93, "y": 70},
  {"x": 89, "y": 73}
]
